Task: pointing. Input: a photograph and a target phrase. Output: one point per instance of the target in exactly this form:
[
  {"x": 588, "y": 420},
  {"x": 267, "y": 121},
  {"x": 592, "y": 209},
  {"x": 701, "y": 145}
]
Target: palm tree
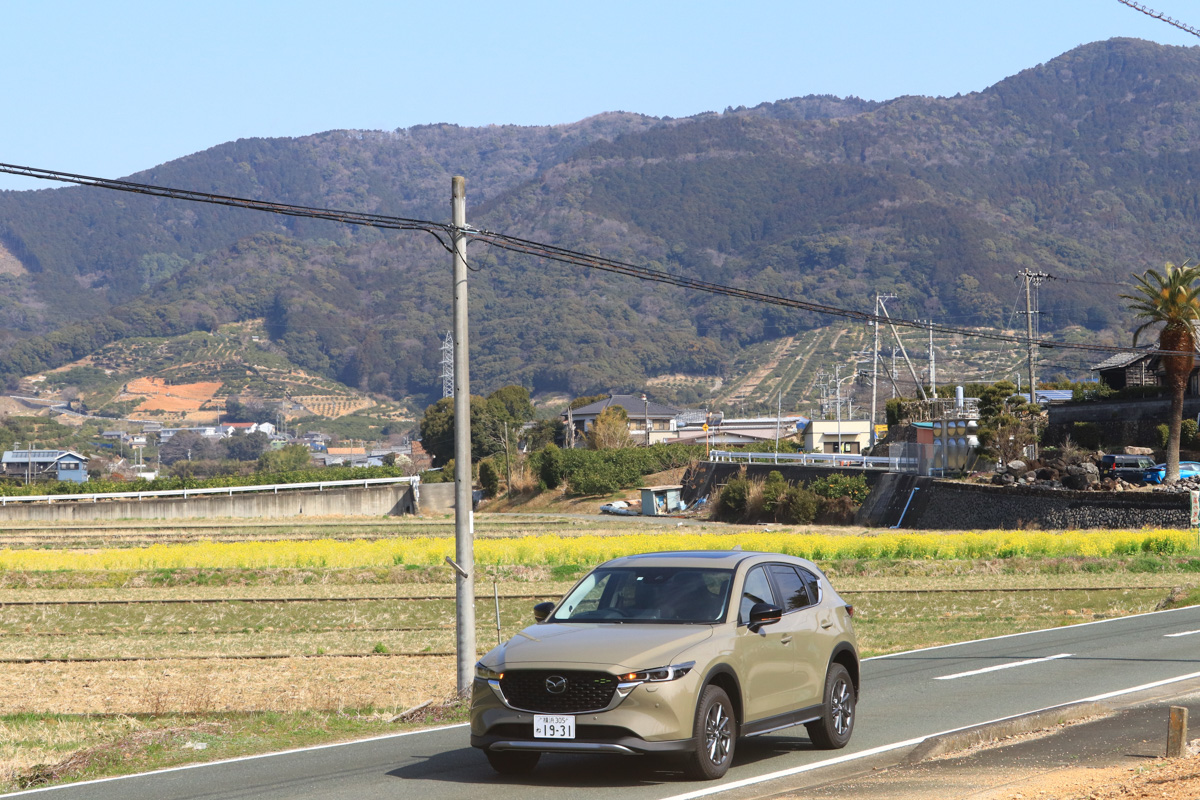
[{"x": 1171, "y": 297}]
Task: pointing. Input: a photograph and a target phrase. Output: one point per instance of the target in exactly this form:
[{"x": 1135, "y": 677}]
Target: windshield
[{"x": 648, "y": 594}]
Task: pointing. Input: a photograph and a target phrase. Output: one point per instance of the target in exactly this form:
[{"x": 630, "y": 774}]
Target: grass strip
[{"x": 591, "y": 549}]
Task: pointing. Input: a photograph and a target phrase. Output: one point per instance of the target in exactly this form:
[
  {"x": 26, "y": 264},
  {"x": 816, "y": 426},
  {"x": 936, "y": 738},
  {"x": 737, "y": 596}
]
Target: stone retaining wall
[{"x": 960, "y": 506}]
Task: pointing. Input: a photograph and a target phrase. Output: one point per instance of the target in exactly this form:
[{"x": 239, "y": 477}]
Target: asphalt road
[{"x": 906, "y": 697}]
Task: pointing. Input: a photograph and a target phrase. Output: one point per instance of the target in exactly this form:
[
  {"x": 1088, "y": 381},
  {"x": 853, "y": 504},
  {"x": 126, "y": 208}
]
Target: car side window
[
  {"x": 812, "y": 582},
  {"x": 591, "y": 600},
  {"x": 757, "y": 589},
  {"x": 792, "y": 588}
]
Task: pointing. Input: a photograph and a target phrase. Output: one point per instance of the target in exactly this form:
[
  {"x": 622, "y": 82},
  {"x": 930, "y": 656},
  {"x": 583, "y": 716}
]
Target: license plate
[{"x": 557, "y": 726}]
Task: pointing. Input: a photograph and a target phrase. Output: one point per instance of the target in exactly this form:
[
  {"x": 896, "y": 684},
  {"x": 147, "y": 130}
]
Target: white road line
[
  {"x": 785, "y": 773},
  {"x": 1185, "y": 633},
  {"x": 1001, "y": 666}
]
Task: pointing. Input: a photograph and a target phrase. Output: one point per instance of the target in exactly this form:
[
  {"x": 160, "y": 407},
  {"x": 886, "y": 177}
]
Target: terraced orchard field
[{"x": 257, "y": 627}]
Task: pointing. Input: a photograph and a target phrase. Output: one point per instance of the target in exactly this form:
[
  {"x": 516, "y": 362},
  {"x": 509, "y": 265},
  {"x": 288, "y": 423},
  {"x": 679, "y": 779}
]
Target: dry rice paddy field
[{"x": 126, "y": 646}]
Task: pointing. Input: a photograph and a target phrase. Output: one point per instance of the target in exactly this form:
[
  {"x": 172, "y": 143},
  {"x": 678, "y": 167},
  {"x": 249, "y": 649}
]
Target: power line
[
  {"x": 553, "y": 253},
  {"x": 436, "y": 229},
  {"x": 1150, "y": 12},
  {"x": 541, "y": 250}
]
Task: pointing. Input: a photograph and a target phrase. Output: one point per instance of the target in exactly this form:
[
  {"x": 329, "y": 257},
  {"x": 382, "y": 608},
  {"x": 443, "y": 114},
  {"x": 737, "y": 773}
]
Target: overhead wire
[
  {"x": 1150, "y": 12},
  {"x": 549, "y": 252},
  {"x": 436, "y": 229}
]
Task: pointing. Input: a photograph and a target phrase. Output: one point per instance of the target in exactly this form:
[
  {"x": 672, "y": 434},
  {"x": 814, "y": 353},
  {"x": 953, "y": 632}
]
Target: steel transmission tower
[{"x": 448, "y": 365}]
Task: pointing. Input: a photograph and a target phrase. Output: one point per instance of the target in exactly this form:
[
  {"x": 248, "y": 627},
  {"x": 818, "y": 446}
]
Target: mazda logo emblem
[{"x": 556, "y": 684}]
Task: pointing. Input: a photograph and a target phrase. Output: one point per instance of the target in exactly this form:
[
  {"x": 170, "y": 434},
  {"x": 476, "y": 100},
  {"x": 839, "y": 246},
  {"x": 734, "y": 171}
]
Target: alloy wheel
[
  {"x": 841, "y": 709},
  {"x": 718, "y": 734}
]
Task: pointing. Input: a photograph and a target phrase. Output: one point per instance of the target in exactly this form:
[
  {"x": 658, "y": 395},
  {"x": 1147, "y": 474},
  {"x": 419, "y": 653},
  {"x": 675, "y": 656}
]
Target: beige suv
[{"x": 672, "y": 653}]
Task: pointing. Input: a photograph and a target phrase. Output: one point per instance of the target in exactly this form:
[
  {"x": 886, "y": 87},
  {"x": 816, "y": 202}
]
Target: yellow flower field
[{"x": 553, "y": 550}]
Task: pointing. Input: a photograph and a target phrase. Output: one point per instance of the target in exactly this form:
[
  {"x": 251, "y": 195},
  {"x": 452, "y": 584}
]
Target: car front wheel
[
  {"x": 715, "y": 735},
  {"x": 832, "y": 731}
]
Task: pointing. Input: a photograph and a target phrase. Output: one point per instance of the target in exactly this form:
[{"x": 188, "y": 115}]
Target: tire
[
  {"x": 832, "y": 731},
  {"x": 715, "y": 734},
  {"x": 512, "y": 762}
]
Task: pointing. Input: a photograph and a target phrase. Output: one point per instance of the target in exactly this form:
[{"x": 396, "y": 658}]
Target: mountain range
[{"x": 1086, "y": 167}]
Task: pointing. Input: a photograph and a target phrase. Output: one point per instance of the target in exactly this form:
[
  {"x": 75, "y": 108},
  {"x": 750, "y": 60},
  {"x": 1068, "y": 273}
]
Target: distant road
[
  {"x": 907, "y": 697},
  {"x": 59, "y": 405}
]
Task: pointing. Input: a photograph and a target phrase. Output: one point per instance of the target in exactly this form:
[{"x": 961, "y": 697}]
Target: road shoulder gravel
[{"x": 1112, "y": 749}]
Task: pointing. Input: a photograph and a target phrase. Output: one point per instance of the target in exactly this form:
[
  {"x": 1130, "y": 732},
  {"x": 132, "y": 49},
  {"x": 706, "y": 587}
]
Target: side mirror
[
  {"x": 541, "y": 612},
  {"x": 764, "y": 614}
]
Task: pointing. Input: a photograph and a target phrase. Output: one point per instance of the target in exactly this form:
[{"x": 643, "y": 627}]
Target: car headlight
[
  {"x": 487, "y": 673},
  {"x": 659, "y": 674}
]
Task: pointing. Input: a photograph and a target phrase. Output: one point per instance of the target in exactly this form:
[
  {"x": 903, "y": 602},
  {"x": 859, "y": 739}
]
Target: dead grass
[
  {"x": 201, "y": 687},
  {"x": 889, "y": 623},
  {"x": 28, "y": 767}
]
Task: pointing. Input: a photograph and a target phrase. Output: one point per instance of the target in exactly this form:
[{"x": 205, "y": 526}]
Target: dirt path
[{"x": 755, "y": 378}]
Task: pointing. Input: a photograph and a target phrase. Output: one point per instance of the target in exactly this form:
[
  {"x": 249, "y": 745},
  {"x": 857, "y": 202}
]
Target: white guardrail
[
  {"x": 414, "y": 481},
  {"x": 818, "y": 460}
]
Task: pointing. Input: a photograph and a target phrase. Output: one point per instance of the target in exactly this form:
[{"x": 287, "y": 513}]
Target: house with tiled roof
[
  {"x": 1141, "y": 369},
  {"x": 1128, "y": 369},
  {"x": 644, "y": 415}
]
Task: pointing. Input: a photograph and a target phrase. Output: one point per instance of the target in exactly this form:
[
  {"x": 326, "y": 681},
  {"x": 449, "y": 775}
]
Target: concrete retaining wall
[
  {"x": 437, "y": 498},
  {"x": 374, "y": 501}
]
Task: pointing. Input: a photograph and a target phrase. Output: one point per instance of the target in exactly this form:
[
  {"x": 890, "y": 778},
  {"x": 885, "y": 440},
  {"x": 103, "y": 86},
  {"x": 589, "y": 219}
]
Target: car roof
[{"x": 710, "y": 559}]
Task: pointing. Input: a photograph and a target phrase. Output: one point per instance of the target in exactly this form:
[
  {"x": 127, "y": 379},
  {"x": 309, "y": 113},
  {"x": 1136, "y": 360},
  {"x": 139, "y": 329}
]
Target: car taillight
[{"x": 850, "y": 609}]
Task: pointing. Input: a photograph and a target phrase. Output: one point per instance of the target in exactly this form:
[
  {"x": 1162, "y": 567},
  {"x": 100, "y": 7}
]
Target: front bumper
[
  {"x": 619, "y": 745},
  {"x": 651, "y": 718}
]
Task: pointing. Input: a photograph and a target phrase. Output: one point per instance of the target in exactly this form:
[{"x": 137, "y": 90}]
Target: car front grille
[{"x": 585, "y": 691}]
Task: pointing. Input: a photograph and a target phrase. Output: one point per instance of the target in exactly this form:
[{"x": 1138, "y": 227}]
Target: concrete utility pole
[
  {"x": 837, "y": 385},
  {"x": 932, "y": 364},
  {"x": 875, "y": 370},
  {"x": 1031, "y": 279},
  {"x": 507, "y": 461},
  {"x": 895, "y": 388},
  {"x": 464, "y": 520},
  {"x": 778, "y": 414},
  {"x": 647, "y": 418}
]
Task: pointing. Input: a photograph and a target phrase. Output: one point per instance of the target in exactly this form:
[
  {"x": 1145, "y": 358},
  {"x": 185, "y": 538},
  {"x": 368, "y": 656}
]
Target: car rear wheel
[
  {"x": 512, "y": 762},
  {"x": 715, "y": 736},
  {"x": 832, "y": 731}
]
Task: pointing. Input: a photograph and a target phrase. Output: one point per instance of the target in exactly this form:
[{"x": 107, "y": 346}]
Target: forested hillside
[{"x": 1087, "y": 167}]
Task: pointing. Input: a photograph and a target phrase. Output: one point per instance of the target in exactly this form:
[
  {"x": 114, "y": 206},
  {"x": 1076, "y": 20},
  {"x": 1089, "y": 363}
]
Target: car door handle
[
  {"x": 827, "y": 624},
  {"x": 786, "y": 640}
]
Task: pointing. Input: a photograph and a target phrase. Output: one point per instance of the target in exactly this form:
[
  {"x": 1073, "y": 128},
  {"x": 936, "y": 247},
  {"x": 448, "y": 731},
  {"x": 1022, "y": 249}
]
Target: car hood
[{"x": 623, "y": 647}]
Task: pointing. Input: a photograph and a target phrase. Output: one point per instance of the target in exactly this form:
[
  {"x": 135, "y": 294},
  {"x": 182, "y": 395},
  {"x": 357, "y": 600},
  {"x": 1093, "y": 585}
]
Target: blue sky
[{"x": 112, "y": 88}]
